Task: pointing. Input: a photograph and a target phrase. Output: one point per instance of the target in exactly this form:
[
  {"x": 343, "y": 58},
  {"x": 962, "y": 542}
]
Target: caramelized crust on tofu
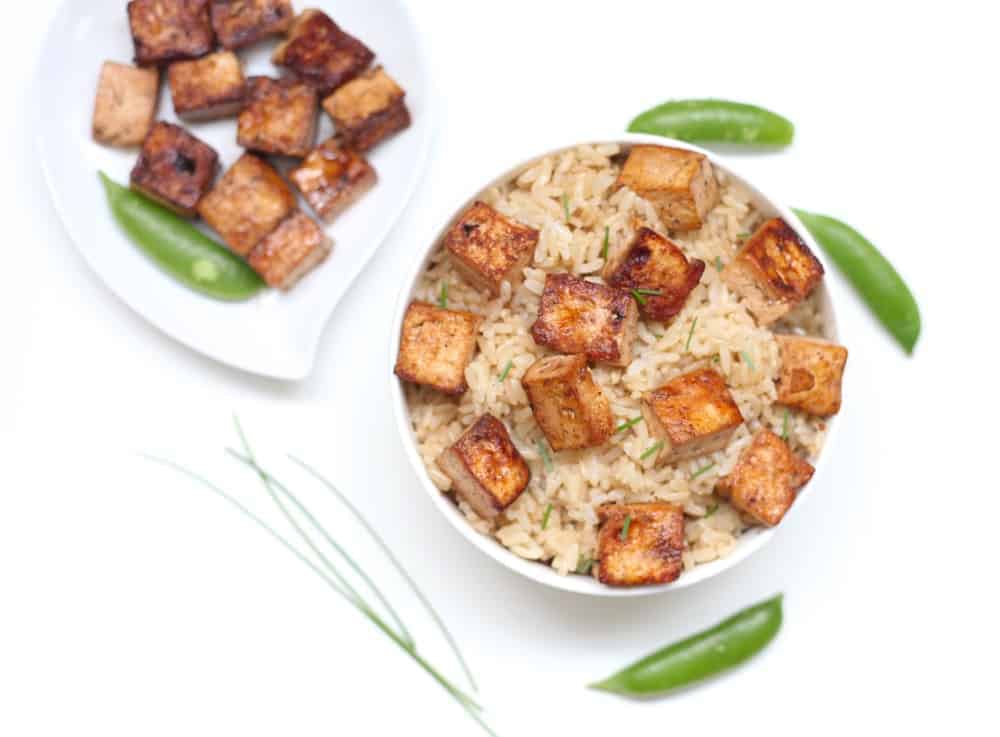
[
  {"x": 652, "y": 262},
  {"x": 773, "y": 271},
  {"x": 168, "y": 30},
  {"x": 567, "y": 403},
  {"x": 368, "y": 109},
  {"x": 765, "y": 480},
  {"x": 332, "y": 178},
  {"x": 578, "y": 316},
  {"x": 249, "y": 202},
  {"x": 296, "y": 247},
  {"x": 811, "y": 374},
  {"x": 488, "y": 248},
  {"x": 125, "y": 105},
  {"x": 436, "y": 346},
  {"x": 679, "y": 183},
  {"x": 322, "y": 54},
  {"x": 693, "y": 414},
  {"x": 485, "y": 468},
  {"x": 279, "y": 117},
  {"x": 207, "y": 88},
  {"x": 174, "y": 168},
  {"x": 652, "y": 546},
  {"x": 239, "y": 23}
]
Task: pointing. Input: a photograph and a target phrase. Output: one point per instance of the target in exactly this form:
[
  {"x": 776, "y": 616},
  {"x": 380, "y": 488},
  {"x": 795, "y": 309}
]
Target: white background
[{"x": 134, "y": 603}]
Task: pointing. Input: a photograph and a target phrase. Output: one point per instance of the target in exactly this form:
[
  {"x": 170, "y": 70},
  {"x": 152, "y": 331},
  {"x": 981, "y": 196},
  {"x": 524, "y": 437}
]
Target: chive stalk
[
  {"x": 630, "y": 423},
  {"x": 545, "y": 517},
  {"x": 625, "y": 528},
  {"x": 654, "y": 448},
  {"x": 703, "y": 470},
  {"x": 443, "y": 296},
  {"x": 607, "y": 242},
  {"x": 506, "y": 370},
  {"x": 687, "y": 345}
]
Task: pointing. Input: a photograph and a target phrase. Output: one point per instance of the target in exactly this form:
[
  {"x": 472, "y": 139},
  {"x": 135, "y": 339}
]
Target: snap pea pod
[
  {"x": 715, "y": 121},
  {"x": 875, "y": 279},
  {"x": 179, "y": 248},
  {"x": 700, "y": 656}
]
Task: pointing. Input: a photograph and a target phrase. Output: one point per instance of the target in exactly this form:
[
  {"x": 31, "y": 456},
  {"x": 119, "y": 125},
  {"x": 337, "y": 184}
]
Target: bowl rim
[{"x": 748, "y": 543}]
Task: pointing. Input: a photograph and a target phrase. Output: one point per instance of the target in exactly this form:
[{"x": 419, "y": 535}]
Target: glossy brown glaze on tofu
[
  {"x": 640, "y": 544},
  {"x": 168, "y": 30},
  {"x": 436, "y": 346},
  {"x": 279, "y": 117},
  {"x": 239, "y": 23},
  {"x": 125, "y": 105},
  {"x": 291, "y": 251},
  {"x": 679, "y": 183},
  {"x": 567, "y": 403},
  {"x": 812, "y": 371},
  {"x": 319, "y": 52},
  {"x": 368, "y": 109},
  {"x": 207, "y": 88},
  {"x": 174, "y": 168},
  {"x": 332, "y": 178},
  {"x": 488, "y": 248}
]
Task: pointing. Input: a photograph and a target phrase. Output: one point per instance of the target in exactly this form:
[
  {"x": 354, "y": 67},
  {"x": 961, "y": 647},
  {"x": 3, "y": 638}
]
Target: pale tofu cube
[
  {"x": 485, "y": 468},
  {"x": 125, "y": 104},
  {"x": 368, "y": 109},
  {"x": 319, "y": 52},
  {"x": 567, "y": 403},
  {"x": 489, "y": 249},
  {"x": 436, "y": 347},
  {"x": 640, "y": 544},
  {"x": 295, "y": 247},
  {"x": 765, "y": 480},
  {"x": 692, "y": 414},
  {"x": 168, "y": 30},
  {"x": 773, "y": 271},
  {"x": 207, "y": 88},
  {"x": 811, "y": 373},
  {"x": 248, "y": 203},
  {"x": 239, "y": 23},
  {"x": 679, "y": 183},
  {"x": 579, "y": 316},
  {"x": 332, "y": 178},
  {"x": 653, "y": 263},
  {"x": 279, "y": 117},
  {"x": 174, "y": 168}
]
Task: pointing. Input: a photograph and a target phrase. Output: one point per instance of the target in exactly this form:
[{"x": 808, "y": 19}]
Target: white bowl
[{"x": 749, "y": 542}]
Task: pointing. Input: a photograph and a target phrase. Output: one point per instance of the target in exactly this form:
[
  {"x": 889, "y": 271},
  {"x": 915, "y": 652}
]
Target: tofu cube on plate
[
  {"x": 489, "y": 249},
  {"x": 368, "y": 109},
  {"x": 207, "y": 88},
  {"x": 279, "y": 117},
  {"x": 319, "y": 52},
  {"x": 679, "y": 183},
  {"x": 291, "y": 251},
  {"x": 812, "y": 370},
  {"x": 332, "y": 178},
  {"x": 239, "y": 23},
  {"x": 168, "y": 30},
  {"x": 125, "y": 105},
  {"x": 436, "y": 346},
  {"x": 640, "y": 544},
  {"x": 174, "y": 168},
  {"x": 567, "y": 403}
]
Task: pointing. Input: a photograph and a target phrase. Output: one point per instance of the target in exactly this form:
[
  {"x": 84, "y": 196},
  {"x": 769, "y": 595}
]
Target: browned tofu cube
[
  {"x": 485, "y": 468},
  {"x": 125, "y": 105},
  {"x": 568, "y": 404},
  {"x": 436, "y": 346},
  {"x": 322, "y": 54},
  {"x": 332, "y": 178},
  {"x": 368, "y": 109},
  {"x": 773, "y": 271},
  {"x": 279, "y": 117},
  {"x": 168, "y": 30},
  {"x": 248, "y": 203},
  {"x": 811, "y": 374},
  {"x": 765, "y": 480},
  {"x": 679, "y": 183},
  {"x": 640, "y": 544},
  {"x": 295, "y": 247},
  {"x": 692, "y": 414},
  {"x": 174, "y": 168},
  {"x": 579, "y": 316},
  {"x": 658, "y": 267},
  {"x": 239, "y": 23},
  {"x": 207, "y": 88},
  {"x": 489, "y": 249}
]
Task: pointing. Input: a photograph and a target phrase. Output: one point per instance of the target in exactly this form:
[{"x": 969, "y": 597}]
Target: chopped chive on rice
[
  {"x": 654, "y": 448},
  {"x": 744, "y": 235},
  {"x": 748, "y": 361},
  {"x": 565, "y": 203},
  {"x": 711, "y": 510},
  {"x": 718, "y": 263},
  {"x": 716, "y": 358},
  {"x": 545, "y": 517},
  {"x": 784, "y": 426},
  {"x": 443, "y": 296},
  {"x": 544, "y": 452},
  {"x": 627, "y": 524},
  {"x": 687, "y": 346},
  {"x": 658, "y": 336},
  {"x": 703, "y": 470},
  {"x": 626, "y": 425},
  {"x": 584, "y": 564},
  {"x": 607, "y": 241},
  {"x": 506, "y": 370}
]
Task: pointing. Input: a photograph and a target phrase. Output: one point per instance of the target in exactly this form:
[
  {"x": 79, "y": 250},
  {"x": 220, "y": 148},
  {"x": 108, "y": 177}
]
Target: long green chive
[
  {"x": 503, "y": 374},
  {"x": 748, "y": 361},
  {"x": 641, "y": 294},
  {"x": 744, "y": 235},
  {"x": 584, "y": 564},
  {"x": 718, "y": 263},
  {"x": 784, "y": 426},
  {"x": 443, "y": 296},
  {"x": 607, "y": 242},
  {"x": 711, "y": 510},
  {"x": 565, "y": 204},
  {"x": 630, "y": 423},
  {"x": 638, "y": 297},
  {"x": 545, "y": 517},
  {"x": 702, "y": 470},
  {"x": 544, "y": 452},
  {"x": 655, "y": 447},
  {"x": 625, "y": 526},
  {"x": 687, "y": 345}
]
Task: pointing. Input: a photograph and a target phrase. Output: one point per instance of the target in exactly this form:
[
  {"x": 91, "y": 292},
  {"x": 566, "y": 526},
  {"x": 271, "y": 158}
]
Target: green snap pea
[
  {"x": 700, "y": 656},
  {"x": 179, "y": 248},
  {"x": 715, "y": 121},
  {"x": 871, "y": 274}
]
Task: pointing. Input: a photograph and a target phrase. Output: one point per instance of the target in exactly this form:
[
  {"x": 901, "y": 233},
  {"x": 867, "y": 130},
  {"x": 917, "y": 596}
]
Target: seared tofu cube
[
  {"x": 679, "y": 183},
  {"x": 295, "y": 247},
  {"x": 567, "y": 403},
  {"x": 485, "y": 468},
  {"x": 811, "y": 374},
  {"x": 168, "y": 30},
  {"x": 765, "y": 480},
  {"x": 579, "y": 316},
  {"x": 489, "y": 249},
  {"x": 332, "y": 178},
  {"x": 322, "y": 54},
  {"x": 207, "y": 88},
  {"x": 640, "y": 544},
  {"x": 248, "y": 203},
  {"x": 655, "y": 264},
  {"x": 174, "y": 168},
  {"x": 368, "y": 109},
  {"x": 125, "y": 105},
  {"x": 692, "y": 414},
  {"x": 239, "y": 23},
  {"x": 279, "y": 117},
  {"x": 436, "y": 346},
  {"x": 773, "y": 271}
]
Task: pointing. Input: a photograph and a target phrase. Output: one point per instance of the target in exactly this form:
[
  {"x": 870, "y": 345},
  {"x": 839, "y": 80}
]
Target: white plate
[{"x": 274, "y": 334}]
